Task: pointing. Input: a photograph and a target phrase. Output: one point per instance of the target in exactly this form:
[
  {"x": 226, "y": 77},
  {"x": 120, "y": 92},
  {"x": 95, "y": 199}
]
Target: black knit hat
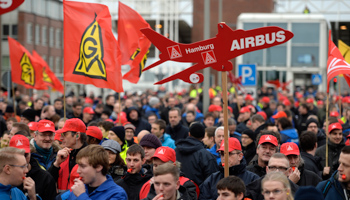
[
  {"x": 311, "y": 120},
  {"x": 29, "y": 114},
  {"x": 150, "y": 140},
  {"x": 120, "y": 132},
  {"x": 250, "y": 134},
  {"x": 197, "y": 130},
  {"x": 9, "y": 109}
]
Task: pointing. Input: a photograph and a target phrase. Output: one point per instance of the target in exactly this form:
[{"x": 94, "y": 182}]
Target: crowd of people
[{"x": 161, "y": 145}]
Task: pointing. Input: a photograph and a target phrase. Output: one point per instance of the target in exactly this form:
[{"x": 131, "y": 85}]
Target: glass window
[
  {"x": 276, "y": 56},
  {"x": 58, "y": 65},
  {"x": 43, "y": 36},
  {"x": 306, "y": 33},
  {"x": 272, "y": 75},
  {"x": 5, "y": 30},
  {"x": 305, "y": 56},
  {"x": 37, "y": 34},
  {"x": 248, "y": 26},
  {"x": 281, "y": 25},
  {"x": 14, "y": 31},
  {"x": 29, "y": 33},
  {"x": 254, "y": 57},
  {"x": 51, "y": 37},
  {"x": 51, "y": 62},
  {"x": 58, "y": 38},
  {"x": 44, "y": 57},
  {"x": 5, "y": 61}
]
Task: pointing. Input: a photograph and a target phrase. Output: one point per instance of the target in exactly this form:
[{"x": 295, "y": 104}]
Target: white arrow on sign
[{"x": 251, "y": 78}]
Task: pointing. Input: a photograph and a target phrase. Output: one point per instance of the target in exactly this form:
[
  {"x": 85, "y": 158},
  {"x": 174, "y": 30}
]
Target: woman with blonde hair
[{"x": 275, "y": 185}]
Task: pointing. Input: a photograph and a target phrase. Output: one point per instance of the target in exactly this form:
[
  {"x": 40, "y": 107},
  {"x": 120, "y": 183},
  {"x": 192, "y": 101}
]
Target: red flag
[
  {"x": 49, "y": 77},
  {"x": 91, "y": 53},
  {"x": 9, "y": 5},
  {"x": 25, "y": 68},
  {"x": 234, "y": 80},
  {"x": 132, "y": 42},
  {"x": 336, "y": 64}
]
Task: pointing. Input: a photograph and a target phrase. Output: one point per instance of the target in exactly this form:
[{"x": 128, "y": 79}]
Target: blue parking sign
[
  {"x": 316, "y": 79},
  {"x": 248, "y": 73}
]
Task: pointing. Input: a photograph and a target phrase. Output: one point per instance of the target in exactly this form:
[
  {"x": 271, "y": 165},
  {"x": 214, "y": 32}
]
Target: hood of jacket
[
  {"x": 290, "y": 132},
  {"x": 189, "y": 145},
  {"x": 55, "y": 147},
  {"x": 128, "y": 115}
]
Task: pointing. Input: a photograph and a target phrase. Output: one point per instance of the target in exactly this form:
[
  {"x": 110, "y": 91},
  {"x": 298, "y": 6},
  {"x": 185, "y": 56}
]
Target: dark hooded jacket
[
  {"x": 197, "y": 163},
  {"x": 140, "y": 124},
  {"x": 177, "y": 132},
  {"x": 132, "y": 183},
  {"x": 249, "y": 152},
  {"x": 182, "y": 190},
  {"x": 307, "y": 177},
  {"x": 255, "y": 168},
  {"x": 311, "y": 162},
  {"x": 208, "y": 187},
  {"x": 332, "y": 188}
]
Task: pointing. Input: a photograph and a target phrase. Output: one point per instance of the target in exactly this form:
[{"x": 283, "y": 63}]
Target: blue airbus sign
[{"x": 248, "y": 73}]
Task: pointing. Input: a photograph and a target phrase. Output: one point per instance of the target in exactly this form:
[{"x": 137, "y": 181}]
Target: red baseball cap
[
  {"x": 46, "y": 125},
  {"x": 58, "y": 135},
  {"x": 249, "y": 97},
  {"x": 33, "y": 126},
  {"x": 282, "y": 98},
  {"x": 95, "y": 132},
  {"x": 268, "y": 138},
  {"x": 263, "y": 114},
  {"x": 309, "y": 100},
  {"x": 229, "y": 109},
  {"x": 334, "y": 114},
  {"x": 334, "y": 126},
  {"x": 319, "y": 102},
  {"x": 75, "y": 125},
  {"x": 165, "y": 154},
  {"x": 340, "y": 121},
  {"x": 213, "y": 108},
  {"x": 280, "y": 114},
  {"x": 88, "y": 110},
  {"x": 20, "y": 142},
  {"x": 265, "y": 100},
  {"x": 287, "y": 102},
  {"x": 290, "y": 148},
  {"x": 244, "y": 109},
  {"x": 299, "y": 95},
  {"x": 233, "y": 144}
]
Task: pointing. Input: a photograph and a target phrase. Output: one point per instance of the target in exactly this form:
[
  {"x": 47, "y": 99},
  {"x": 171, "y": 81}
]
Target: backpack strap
[{"x": 326, "y": 188}]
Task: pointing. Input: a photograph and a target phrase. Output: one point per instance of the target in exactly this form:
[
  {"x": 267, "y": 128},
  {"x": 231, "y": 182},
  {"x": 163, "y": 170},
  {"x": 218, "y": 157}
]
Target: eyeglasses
[
  {"x": 222, "y": 153},
  {"x": 281, "y": 169},
  {"x": 274, "y": 192},
  {"x": 21, "y": 166},
  {"x": 44, "y": 135}
]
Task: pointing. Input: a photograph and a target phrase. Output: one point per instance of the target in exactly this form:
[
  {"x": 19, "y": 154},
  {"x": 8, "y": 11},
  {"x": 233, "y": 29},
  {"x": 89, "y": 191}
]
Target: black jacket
[
  {"x": 242, "y": 127},
  {"x": 301, "y": 123},
  {"x": 116, "y": 172},
  {"x": 182, "y": 190},
  {"x": 140, "y": 124},
  {"x": 308, "y": 178},
  {"x": 311, "y": 162},
  {"x": 321, "y": 138},
  {"x": 208, "y": 188},
  {"x": 132, "y": 183},
  {"x": 45, "y": 185},
  {"x": 255, "y": 168},
  {"x": 253, "y": 190},
  {"x": 249, "y": 151},
  {"x": 197, "y": 163},
  {"x": 177, "y": 132}
]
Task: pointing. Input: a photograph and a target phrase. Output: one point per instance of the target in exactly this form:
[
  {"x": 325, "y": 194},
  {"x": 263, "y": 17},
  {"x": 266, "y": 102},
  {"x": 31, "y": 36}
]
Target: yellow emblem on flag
[
  {"x": 143, "y": 61},
  {"x": 90, "y": 61},
  {"x": 46, "y": 77},
  {"x": 28, "y": 75},
  {"x": 344, "y": 50}
]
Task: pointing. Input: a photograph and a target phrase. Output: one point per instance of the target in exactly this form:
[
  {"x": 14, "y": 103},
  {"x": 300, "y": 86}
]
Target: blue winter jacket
[
  {"x": 289, "y": 135},
  {"x": 216, "y": 154},
  {"x": 108, "y": 190},
  {"x": 331, "y": 188},
  {"x": 167, "y": 141},
  {"x": 7, "y": 192}
]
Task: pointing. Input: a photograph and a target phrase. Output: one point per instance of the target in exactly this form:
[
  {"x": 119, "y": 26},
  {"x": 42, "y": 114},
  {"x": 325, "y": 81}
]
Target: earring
[{"x": 287, "y": 193}]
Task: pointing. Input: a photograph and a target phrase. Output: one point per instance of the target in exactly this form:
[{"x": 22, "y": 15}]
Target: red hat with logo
[
  {"x": 263, "y": 114},
  {"x": 265, "y": 100},
  {"x": 233, "y": 144},
  {"x": 268, "y": 138},
  {"x": 213, "y": 108},
  {"x": 249, "y": 97},
  {"x": 290, "y": 148},
  {"x": 88, "y": 110},
  {"x": 334, "y": 114},
  {"x": 244, "y": 109},
  {"x": 95, "y": 132},
  {"x": 335, "y": 126},
  {"x": 75, "y": 125},
  {"x": 280, "y": 114},
  {"x": 58, "y": 135},
  {"x": 33, "y": 126},
  {"x": 46, "y": 125},
  {"x": 20, "y": 142},
  {"x": 287, "y": 102},
  {"x": 319, "y": 102},
  {"x": 309, "y": 100},
  {"x": 165, "y": 154}
]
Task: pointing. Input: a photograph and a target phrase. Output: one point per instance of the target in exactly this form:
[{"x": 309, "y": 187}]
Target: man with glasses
[
  {"x": 267, "y": 146},
  {"x": 44, "y": 151},
  {"x": 74, "y": 139},
  {"x": 13, "y": 169},
  {"x": 278, "y": 162},
  {"x": 237, "y": 167}
]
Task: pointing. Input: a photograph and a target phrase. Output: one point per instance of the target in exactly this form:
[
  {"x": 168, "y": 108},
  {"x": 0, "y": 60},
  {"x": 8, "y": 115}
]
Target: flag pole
[
  {"x": 120, "y": 109},
  {"x": 64, "y": 100},
  {"x": 339, "y": 90},
  {"x": 14, "y": 99},
  {"x": 224, "y": 95},
  {"x": 327, "y": 125}
]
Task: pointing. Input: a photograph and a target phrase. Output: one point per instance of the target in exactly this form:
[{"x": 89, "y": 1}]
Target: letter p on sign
[{"x": 246, "y": 73}]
